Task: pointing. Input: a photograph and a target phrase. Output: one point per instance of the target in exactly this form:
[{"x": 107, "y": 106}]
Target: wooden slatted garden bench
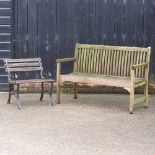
[
  {"x": 117, "y": 66},
  {"x": 17, "y": 68}
]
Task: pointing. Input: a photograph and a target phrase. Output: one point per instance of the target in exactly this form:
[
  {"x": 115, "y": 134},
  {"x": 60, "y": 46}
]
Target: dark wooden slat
[
  {"x": 32, "y": 30},
  {"x": 5, "y": 29},
  {"x": 100, "y": 21},
  {"x": 90, "y": 21},
  {"x": 4, "y": 86},
  {"x": 42, "y": 32},
  {"x": 4, "y": 38},
  {"x": 5, "y": 46},
  {"x": 21, "y": 50},
  {"x": 139, "y": 24},
  {"x": 51, "y": 31},
  {"x": 5, "y": 4},
  {"x": 109, "y": 26},
  {"x": 5, "y": 12},
  {"x": 5, "y": 21},
  {"x": 24, "y": 69},
  {"x": 129, "y": 22},
  {"x": 119, "y": 35}
]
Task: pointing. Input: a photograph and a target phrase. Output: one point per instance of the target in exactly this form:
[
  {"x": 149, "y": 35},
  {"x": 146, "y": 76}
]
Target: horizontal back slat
[
  {"x": 24, "y": 69},
  {"x": 32, "y": 64},
  {"x": 23, "y": 65},
  {"x": 110, "y": 60},
  {"x": 24, "y": 60}
]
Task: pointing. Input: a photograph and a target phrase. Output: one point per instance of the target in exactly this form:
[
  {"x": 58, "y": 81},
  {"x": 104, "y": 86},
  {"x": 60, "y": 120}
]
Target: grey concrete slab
[{"x": 94, "y": 124}]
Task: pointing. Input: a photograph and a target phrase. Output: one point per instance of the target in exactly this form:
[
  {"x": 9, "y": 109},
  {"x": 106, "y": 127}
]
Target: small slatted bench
[
  {"x": 14, "y": 69},
  {"x": 126, "y": 67}
]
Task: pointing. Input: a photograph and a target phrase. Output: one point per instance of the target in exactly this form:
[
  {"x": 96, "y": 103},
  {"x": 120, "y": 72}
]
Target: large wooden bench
[
  {"x": 16, "y": 69},
  {"x": 126, "y": 67}
]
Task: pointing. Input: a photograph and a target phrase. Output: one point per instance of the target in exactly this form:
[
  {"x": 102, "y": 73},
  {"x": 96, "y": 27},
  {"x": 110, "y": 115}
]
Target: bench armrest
[
  {"x": 140, "y": 65},
  {"x": 46, "y": 75},
  {"x": 65, "y": 60}
]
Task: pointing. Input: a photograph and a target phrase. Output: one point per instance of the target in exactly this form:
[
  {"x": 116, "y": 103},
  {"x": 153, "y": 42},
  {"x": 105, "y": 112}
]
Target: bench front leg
[
  {"x": 11, "y": 87},
  {"x": 132, "y": 92},
  {"x": 42, "y": 91},
  {"x": 17, "y": 97},
  {"x": 58, "y": 82}
]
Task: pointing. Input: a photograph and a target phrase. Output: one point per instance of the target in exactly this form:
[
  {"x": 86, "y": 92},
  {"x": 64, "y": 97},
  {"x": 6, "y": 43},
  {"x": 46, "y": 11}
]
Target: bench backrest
[
  {"x": 110, "y": 60},
  {"x": 23, "y": 65}
]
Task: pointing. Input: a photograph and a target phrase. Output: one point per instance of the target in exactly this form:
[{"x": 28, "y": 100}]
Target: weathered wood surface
[
  {"x": 118, "y": 66},
  {"x": 31, "y": 81}
]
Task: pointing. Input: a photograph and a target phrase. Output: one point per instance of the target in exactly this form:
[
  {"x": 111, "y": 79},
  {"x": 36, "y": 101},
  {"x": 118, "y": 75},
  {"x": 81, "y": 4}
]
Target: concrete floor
[{"x": 91, "y": 125}]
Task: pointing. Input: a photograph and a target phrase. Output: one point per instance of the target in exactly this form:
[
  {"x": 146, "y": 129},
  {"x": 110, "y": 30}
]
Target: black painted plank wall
[
  {"x": 6, "y": 16},
  {"x": 50, "y": 28}
]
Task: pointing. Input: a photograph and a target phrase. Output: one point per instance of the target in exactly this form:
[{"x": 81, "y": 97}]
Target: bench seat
[{"x": 98, "y": 80}]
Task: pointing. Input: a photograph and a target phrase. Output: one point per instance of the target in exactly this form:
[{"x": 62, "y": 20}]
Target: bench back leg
[
  {"x": 42, "y": 91},
  {"x": 58, "y": 82},
  {"x": 75, "y": 90},
  {"x": 146, "y": 95},
  {"x": 51, "y": 97}
]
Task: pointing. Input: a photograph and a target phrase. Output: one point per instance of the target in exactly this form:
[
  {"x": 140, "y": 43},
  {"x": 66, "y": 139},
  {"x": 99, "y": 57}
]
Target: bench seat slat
[{"x": 31, "y": 81}]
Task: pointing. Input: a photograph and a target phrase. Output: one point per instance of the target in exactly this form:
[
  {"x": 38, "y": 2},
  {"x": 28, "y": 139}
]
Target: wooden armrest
[
  {"x": 65, "y": 60},
  {"x": 140, "y": 65}
]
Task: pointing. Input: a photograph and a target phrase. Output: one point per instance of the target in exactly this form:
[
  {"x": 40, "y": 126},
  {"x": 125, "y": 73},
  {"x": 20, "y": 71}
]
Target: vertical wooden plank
[
  {"x": 79, "y": 20},
  {"x": 51, "y": 33},
  {"x": 100, "y": 21},
  {"x": 129, "y": 22},
  {"x": 106, "y": 61},
  {"x": 128, "y": 64},
  {"x": 70, "y": 28},
  {"x": 42, "y": 31},
  {"x": 120, "y": 62},
  {"x": 103, "y": 61},
  {"x": 61, "y": 33},
  {"x": 109, "y": 26},
  {"x": 114, "y": 62},
  {"x": 32, "y": 28},
  {"x": 90, "y": 21},
  {"x": 22, "y": 29},
  {"x": 111, "y": 62},
  {"x": 90, "y": 60},
  {"x": 119, "y": 34},
  {"x": 117, "y": 62},
  {"x": 149, "y": 31},
  {"x": 139, "y": 23}
]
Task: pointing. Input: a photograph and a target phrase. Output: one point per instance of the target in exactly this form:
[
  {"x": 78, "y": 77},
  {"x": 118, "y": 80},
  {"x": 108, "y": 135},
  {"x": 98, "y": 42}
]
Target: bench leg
[
  {"x": 17, "y": 97},
  {"x": 10, "y": 91},
  {"x": 131, "y": 102},
  {"x": 146, "y": 96},
  {"x": 75, "y": 90},
  {"x": 42, "y": 91},
  {"x": 51, "y": 97},
  {"x": 58, "y": 93}
]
